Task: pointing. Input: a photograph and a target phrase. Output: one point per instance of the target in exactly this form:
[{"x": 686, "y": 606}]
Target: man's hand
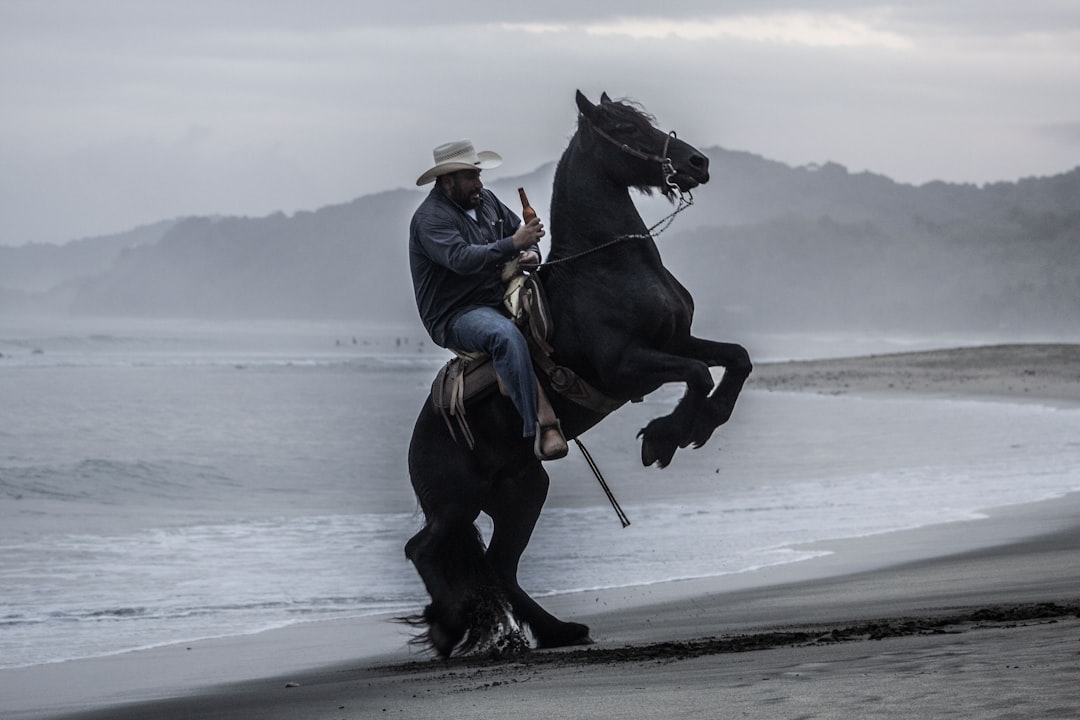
[
  {"x": 529, "y": 259},
  {"x": 528, "y": 234}
]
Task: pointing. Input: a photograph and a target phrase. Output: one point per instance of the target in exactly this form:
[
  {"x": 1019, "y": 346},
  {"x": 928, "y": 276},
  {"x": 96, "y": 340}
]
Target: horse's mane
[{"x": 622, "y": 111}]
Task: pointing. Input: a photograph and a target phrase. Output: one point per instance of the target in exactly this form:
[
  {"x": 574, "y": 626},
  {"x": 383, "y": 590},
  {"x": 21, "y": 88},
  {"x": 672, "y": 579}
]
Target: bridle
[
  {"x": 686, "y": 198},
  {"x": 665, "y": 162}
]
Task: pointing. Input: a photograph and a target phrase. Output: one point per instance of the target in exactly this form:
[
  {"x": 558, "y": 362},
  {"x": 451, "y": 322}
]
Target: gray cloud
[
  {"x": 118, "y": 112},
  {"x": 1064, "y": 133}
]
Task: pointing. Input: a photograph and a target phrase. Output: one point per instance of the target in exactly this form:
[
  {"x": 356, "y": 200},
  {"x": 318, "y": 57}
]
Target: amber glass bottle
[{"x": 527, "y": 212}]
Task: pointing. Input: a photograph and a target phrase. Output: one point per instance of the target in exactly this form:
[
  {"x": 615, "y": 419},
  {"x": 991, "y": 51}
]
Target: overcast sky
[{"x": 123, "y": 112}]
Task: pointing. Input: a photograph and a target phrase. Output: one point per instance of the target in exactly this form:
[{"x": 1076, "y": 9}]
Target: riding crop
[{"x": 603, "y": 483}]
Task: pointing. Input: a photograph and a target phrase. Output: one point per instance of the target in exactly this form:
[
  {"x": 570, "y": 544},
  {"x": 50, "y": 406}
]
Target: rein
[{"x": 686, "y": 199}]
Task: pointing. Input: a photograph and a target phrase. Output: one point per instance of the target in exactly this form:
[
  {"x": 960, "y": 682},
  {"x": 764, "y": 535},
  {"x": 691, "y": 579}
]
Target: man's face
[{"x": 463, "y": 187}]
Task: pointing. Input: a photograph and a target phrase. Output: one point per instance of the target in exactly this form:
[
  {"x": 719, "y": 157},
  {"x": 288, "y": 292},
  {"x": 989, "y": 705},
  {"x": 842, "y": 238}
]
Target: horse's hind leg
[
  {"x": 467, "y": 603},
  {"x": 449, "y": 557},
  {"x": 514, "y": 507}
]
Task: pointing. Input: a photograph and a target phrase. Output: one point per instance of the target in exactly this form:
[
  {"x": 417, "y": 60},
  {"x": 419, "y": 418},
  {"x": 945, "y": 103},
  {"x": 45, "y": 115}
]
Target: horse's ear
[
  {"x": 604, "y": 99},
  {"x": 587, "y": 108}
]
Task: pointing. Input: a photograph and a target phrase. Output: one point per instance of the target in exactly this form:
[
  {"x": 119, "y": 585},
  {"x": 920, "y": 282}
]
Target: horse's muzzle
[{"x": 692, "y": 172}]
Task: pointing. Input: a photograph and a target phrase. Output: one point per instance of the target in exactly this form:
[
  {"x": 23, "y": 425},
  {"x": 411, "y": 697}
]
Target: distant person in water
[{"x": 459, "y": 238}]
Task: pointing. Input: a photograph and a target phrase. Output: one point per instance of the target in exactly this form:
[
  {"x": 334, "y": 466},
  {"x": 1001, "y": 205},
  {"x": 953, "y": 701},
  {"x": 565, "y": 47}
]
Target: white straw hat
[{"x": 459, "y": 155}]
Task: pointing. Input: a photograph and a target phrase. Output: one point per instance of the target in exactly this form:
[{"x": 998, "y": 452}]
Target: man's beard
[
  {"x": 468, "y": 201},
  {"x": 464, "y": 193}
]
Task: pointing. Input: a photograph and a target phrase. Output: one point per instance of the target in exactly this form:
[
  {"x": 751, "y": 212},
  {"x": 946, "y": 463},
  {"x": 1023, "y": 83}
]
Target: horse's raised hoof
[
  {"x": 660, "y": 438},
  {"x": 706, "y": 422},
  {"x": 656, "y": 450},
  {"x": 569, "y": 635}
]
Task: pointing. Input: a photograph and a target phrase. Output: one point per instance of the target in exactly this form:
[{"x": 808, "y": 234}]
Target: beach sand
[
  {"x": 979, "y": 619},
  {"x": 1048, "y": 373}
]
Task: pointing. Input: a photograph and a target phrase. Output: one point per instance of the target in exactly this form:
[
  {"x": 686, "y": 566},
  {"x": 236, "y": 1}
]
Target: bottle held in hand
[{"x": 527, "y": 212}]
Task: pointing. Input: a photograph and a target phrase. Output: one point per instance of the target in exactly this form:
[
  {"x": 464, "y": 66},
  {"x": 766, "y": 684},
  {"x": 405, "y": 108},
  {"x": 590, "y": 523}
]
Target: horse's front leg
[
  {"x": 737, "y": 368},
  {"x": 661, "y": 437}
]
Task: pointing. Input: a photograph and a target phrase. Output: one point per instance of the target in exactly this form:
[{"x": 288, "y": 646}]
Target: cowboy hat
[{"x": 459, "y": 155}]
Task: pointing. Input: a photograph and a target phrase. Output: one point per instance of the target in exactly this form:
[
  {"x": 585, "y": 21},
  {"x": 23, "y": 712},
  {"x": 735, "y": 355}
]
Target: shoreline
[
  {"x": 1027, "y": 554},
  {"x": 1014, "y": 571}
]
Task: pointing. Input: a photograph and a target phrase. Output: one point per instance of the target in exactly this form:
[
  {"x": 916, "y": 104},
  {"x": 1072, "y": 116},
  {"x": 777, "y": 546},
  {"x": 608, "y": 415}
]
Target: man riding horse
[
  {"x": 620, "y": 323},
  {"x": 459, "y": 238}
]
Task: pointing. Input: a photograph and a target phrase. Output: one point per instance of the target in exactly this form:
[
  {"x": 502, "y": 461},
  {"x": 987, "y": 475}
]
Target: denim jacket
[{"x": 455, "y": 260}]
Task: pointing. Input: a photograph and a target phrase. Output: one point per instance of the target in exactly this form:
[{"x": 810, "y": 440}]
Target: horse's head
[{"x": 635, "y": 152}]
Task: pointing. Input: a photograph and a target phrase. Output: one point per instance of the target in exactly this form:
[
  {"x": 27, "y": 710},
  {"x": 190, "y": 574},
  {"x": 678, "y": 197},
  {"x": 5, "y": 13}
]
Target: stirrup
[{"x": 538, "y": 442}]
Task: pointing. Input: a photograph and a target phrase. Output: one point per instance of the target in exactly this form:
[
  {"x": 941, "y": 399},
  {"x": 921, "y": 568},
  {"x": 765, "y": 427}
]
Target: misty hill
[
  {"x": 343, "y": 261},
  {"x": 820, "y": 247},
  {"x": 766, "y": 246},
  {"x": 42, "y": 277},
  {"x": 39, "y": 267}
]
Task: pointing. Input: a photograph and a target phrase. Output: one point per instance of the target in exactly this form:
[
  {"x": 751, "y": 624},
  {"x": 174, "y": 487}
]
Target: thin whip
[{"x": 603, "y": 483}]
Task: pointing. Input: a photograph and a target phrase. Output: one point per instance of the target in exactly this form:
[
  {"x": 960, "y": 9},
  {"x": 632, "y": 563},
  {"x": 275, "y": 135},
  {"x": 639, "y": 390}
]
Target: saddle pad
[{"x": 463, "y": 378}]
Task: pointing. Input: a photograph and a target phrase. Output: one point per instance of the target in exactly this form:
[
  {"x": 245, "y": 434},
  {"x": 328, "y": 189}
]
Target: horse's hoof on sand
[
  {"x": 442, "y": 642},
  {"x": 575, "y": 634},
  {"x": 441, "y": 636}
]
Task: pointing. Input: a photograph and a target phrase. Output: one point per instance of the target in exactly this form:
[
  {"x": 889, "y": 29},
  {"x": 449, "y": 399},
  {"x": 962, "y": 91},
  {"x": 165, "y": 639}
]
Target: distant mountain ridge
[
  {"x": 766, "y": 246},
  {"x": 38, "y": 267}
]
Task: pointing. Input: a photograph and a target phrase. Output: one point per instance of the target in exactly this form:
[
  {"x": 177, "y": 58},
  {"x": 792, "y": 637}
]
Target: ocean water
[{"x": 164, "y": 483}]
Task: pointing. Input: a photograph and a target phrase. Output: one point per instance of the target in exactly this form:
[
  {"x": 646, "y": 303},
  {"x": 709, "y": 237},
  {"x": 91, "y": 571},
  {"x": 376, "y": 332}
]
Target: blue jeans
[{"x": 485, "y": 329}]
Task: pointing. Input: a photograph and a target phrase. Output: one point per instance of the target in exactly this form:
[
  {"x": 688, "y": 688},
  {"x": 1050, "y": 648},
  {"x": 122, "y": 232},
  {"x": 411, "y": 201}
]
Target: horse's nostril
[{"x": 699, "y": 161}]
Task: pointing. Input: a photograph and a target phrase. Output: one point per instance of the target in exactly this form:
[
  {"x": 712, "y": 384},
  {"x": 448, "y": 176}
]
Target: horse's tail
[{"x": 469, "y": 610}]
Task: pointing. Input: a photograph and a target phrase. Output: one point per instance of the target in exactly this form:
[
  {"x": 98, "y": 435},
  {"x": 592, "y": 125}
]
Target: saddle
[{"x": 469, "y": 376}]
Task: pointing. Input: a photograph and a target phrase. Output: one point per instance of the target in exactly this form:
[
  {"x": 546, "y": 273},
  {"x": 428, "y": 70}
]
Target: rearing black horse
[{"x": 622, "y": 323}]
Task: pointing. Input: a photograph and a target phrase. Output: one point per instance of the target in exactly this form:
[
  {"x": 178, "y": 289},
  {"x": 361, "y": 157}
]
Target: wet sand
[
  {"x": 1048, "y": 373},
  {"x": 979, "y": 619}
]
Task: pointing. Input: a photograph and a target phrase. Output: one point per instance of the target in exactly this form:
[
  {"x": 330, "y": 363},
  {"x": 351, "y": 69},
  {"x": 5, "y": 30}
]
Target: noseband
[{"x": 665, "y": 162}]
